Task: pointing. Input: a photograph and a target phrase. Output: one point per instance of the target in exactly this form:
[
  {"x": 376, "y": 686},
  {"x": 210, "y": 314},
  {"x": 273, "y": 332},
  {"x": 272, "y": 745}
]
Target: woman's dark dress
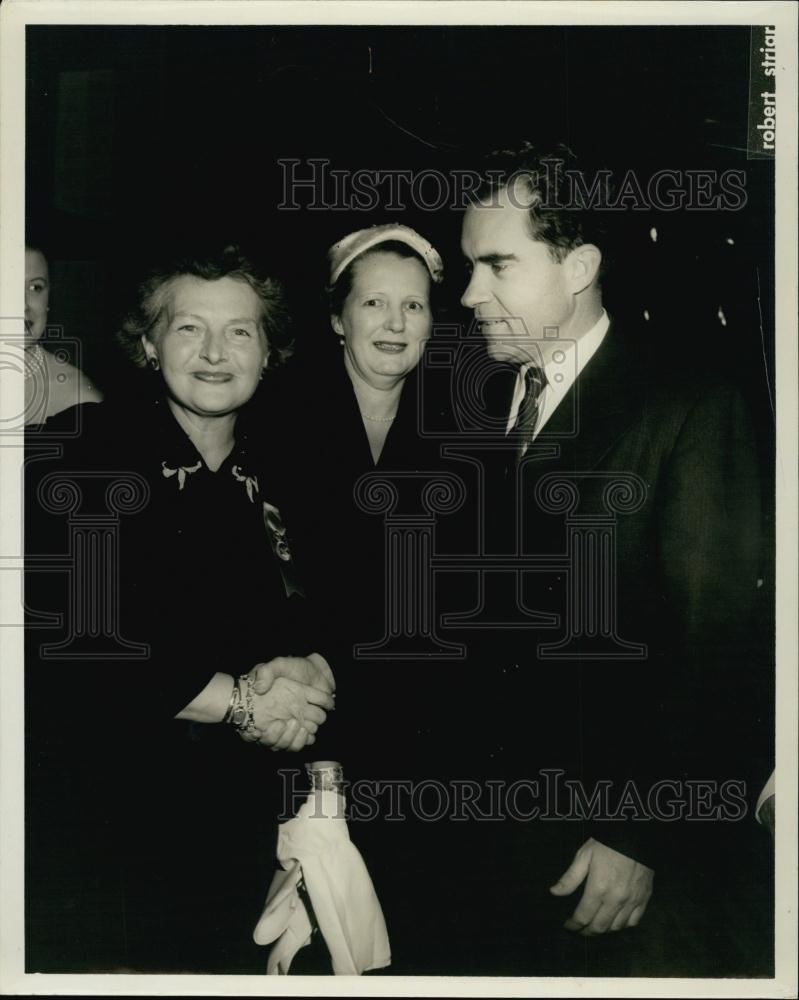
[
  {"x": 341, "y": 550},
  {"x": 151, "y": 840},
  {"x": 398, "y": 719}
]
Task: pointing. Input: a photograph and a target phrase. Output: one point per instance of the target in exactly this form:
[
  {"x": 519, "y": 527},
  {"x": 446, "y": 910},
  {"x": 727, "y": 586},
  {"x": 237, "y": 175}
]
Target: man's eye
[
  {"x": 36, "y": 286},
  {"x": 374, "y": 302},
  {"x": 416, "y": 306},
  {"x": 498, "y": 267},
  {"x": 240, "y": 331},
  {"x": 187, "y": 328}
]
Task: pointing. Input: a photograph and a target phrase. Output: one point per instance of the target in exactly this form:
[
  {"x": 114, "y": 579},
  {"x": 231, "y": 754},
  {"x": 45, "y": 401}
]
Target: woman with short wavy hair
[
  {"x": 149, "y": 753},
  {"x": 155, "y": 291}
]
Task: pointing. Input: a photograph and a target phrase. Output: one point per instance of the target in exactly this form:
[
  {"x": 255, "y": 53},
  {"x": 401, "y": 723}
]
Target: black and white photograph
[{"x": 399, "y": 482}]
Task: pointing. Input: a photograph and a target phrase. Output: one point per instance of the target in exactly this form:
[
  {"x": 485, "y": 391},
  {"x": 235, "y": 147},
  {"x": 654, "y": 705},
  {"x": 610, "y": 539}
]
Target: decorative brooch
[
  {"x": 276, "y": 530},
  {"x": 181, "y": 472},
  {"x": 251, "y": 482}
]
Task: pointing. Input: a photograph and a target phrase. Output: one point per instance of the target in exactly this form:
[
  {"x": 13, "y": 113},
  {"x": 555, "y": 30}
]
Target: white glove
[
  {"x": 316, "y": 847},
  {"x": 285, "y": 918}
]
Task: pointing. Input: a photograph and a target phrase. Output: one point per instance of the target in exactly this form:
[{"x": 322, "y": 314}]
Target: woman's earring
[{"x": 153, "y": 363}]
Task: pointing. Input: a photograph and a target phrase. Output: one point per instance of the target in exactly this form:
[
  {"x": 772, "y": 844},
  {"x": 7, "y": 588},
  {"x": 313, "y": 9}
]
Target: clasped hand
[{"x": 291, "y": 698}]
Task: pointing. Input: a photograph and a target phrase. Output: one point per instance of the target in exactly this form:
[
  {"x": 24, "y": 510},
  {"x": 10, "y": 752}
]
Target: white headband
[{"x": 345, "y": 251}]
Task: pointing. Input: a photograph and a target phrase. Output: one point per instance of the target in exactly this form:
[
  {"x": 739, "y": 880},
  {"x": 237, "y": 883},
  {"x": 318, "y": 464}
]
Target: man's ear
[
  {"x": 338, "y": 326},
  {"x": 583, "y": 264}
]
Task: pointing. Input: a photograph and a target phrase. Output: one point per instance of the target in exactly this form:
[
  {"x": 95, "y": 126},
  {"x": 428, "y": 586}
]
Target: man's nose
[
  {"x": 474, "y": 293},
  {"x": 214, "y": 347},
  {"x": 395, "y": 321}
]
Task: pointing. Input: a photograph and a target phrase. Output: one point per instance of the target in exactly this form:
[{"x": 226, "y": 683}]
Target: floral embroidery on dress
[
  {"x": 180, "y": 472},
  {"x": 251, "y": 482}
]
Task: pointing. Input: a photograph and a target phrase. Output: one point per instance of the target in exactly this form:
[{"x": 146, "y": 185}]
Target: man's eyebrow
[{"x": 496, "y": 258}]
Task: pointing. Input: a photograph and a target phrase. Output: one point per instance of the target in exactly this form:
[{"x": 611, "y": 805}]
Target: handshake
[{"x": 291, "y": 698}]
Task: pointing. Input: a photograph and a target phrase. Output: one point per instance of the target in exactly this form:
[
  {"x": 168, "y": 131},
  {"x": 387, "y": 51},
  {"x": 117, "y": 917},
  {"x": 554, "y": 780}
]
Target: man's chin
[{"x": 503, "y": 352}]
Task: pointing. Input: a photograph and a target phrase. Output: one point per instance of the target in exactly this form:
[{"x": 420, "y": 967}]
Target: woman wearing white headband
[
  {"x": 379, "y": 295},
  {"x": 358, "y": 413},
  {"x": 352, "y": 412}
]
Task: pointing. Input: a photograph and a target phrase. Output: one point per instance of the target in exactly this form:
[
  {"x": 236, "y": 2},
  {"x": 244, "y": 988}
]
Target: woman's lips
[
  {"x": 389, "y": 346},
  {"x": 213, "y": 377}
]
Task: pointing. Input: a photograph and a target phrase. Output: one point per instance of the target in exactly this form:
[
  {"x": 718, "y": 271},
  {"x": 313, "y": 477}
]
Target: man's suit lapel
[{"x": 598, "y": 408}]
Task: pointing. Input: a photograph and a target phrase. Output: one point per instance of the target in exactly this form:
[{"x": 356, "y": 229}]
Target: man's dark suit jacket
[{"x": 652, "y": 483}]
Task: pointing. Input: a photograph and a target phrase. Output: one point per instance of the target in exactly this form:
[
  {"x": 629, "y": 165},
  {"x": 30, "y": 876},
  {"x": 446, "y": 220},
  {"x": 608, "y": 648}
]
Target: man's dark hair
[
  {"x": 563, "y": 199},
  {"x": 153, "y": 295}
]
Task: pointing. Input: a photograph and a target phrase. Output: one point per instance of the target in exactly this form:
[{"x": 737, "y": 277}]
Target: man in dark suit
[{"x": 638, "y": 680}]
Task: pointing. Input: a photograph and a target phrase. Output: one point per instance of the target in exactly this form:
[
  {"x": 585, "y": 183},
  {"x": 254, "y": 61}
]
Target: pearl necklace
[
  {"x": 377, "y": 420},
  {"x": 34, "y": 362}
]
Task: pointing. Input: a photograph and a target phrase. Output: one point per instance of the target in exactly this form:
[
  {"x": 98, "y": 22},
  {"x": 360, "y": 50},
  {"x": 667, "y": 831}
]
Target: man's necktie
[{"x": 527, "y": 417}]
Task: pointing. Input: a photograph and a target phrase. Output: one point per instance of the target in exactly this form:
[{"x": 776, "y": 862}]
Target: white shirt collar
[{"x": 562, "y": 369}]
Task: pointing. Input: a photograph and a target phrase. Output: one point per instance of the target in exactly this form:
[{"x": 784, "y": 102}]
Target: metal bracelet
[
  {"x": 247, "y": 728},
  {"x": 235, "y": 701},
  {"x": 325, "y": 775}
]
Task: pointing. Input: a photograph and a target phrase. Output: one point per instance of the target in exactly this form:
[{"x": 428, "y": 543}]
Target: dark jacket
[
  {"x": 333, "y": 495},
  {"x": 639, "y": 512},
  {"x": 169, "y": 574}
]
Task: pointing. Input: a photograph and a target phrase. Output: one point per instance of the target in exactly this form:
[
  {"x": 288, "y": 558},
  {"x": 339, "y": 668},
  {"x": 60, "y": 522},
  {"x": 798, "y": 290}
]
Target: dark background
[
  {"x": 141, "y": 139},
  {"x": 145, "y": 138}
]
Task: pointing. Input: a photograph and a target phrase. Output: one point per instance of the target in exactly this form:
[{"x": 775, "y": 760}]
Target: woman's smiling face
[
  {"x": 386, "y": 317},
  {"x": 210, "y": 344}
]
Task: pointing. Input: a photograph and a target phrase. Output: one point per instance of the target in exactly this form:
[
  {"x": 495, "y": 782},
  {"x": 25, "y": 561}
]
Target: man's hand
[
  {"x": 289, "y": 736},
  {"x": 288, "y": 715},
  {"x": 292, "y": 694},
  {"x": 312, "y": 670},
  {"x": 616, "y": 894}
]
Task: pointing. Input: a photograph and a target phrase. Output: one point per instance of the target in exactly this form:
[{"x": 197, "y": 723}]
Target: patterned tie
[{"x": 534, "y": 382}]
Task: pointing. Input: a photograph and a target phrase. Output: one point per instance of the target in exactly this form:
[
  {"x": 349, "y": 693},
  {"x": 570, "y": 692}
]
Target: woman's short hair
[
  {"x": 153, "y": 296},
  {"x": 337, "y": 293}
]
